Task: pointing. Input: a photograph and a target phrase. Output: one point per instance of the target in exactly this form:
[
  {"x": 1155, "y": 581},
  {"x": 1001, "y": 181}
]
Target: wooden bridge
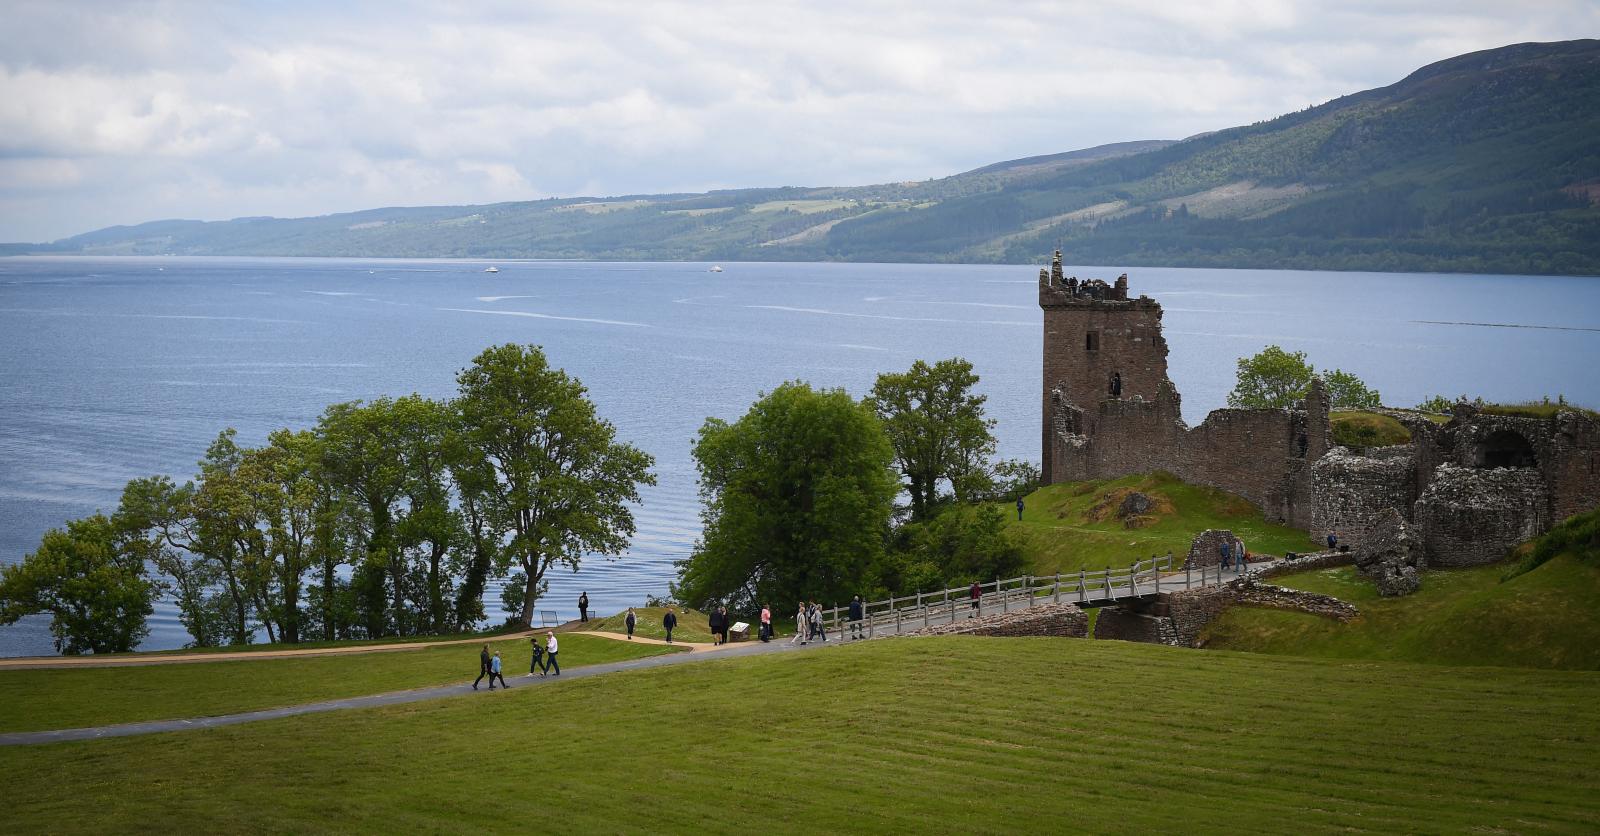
[{"x": 1143, "y": 581}]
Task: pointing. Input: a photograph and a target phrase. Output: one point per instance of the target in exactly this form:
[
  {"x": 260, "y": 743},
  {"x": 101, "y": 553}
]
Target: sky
[{"x": 123, "y": 112}]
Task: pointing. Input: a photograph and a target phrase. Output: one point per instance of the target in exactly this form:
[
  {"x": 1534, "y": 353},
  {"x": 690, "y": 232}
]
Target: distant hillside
[{"x": 1488, "y": 162}]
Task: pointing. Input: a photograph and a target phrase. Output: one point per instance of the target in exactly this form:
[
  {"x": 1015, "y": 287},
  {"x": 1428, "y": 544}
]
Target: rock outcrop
[{"x": 1391, "y": 555}]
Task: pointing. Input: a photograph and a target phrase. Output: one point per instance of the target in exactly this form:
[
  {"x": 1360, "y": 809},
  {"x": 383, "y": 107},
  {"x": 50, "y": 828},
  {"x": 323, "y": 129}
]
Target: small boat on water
[
  {"x": 716, "y": 268},
  {"x": 491, "y": 269}
]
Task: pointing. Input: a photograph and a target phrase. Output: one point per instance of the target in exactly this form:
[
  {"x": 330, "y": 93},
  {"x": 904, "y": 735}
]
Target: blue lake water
[{"x": 112, "y": 369}]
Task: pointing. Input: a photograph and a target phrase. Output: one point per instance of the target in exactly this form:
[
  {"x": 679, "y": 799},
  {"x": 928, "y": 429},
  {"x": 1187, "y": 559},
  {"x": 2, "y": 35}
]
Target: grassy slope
[
  {"x": 692, "y": 625},
  {"x": 1059, "y": 536},
  {"x": 32, "y": 700},
  {"x": 1367, "y": 429},
  {"x": 951, "y": 734},
  {"x": 1544, "y": 618}
]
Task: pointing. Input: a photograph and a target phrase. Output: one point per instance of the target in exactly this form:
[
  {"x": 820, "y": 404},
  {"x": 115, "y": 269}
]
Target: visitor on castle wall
[
  {"x": 669, "y": 621},
  {"x": 538, "y": 655},
  {"x": 550, "y": 648},
  {"x": 583, "y": 607},
  {"x": 483, "y": 668},
  {"x": 802, "y": 626},
  {"x": 1116, "y": 384},
  {"x": 855, "y": 619},
  {"x": 766, "y": 623},
  {"x": 717, "y": 625},
  {"x": 630, "y": 621}
]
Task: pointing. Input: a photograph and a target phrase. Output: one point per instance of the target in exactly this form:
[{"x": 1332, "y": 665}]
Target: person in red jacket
[{"x": 977, "y": 597}]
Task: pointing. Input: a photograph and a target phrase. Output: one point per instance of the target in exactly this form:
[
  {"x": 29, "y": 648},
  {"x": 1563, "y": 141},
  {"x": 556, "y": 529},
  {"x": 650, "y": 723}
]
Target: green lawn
[
  {"x": 323, "y": 645},
  {"x": 955, "y": 734},
  {"x": 692, "y": 624},
  {"x": 1062, "y": 530},
  {"x": 1545, "y": 618},
  {"x": 35, "y": 700}
]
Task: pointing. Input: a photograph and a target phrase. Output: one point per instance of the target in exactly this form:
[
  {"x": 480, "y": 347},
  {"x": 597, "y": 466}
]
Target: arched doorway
[{"x": 1506, "y": 448}]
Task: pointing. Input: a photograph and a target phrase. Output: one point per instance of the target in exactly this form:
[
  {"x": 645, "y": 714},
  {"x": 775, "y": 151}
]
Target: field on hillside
[
  {"x": 949, "y": 734},
  {"x": 692, "y": 624},
  {"x": 35, "y": 700},
  {"x": 1545, "y": 618},
  {"x": 1074, "y": 526}
]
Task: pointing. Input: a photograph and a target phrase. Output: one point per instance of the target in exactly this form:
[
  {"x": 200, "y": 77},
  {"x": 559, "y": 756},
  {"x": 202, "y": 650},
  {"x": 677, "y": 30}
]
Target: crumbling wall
[
  {"x": 1205, "y": 548},
  {"x": 1390, "y": 555},
  {"x": 1350, "y": 493},
  {"x": 1472, "y": 516}
]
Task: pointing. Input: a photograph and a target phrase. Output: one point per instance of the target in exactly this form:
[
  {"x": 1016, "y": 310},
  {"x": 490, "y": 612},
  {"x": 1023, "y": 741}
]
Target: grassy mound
[
  {"x": 1544, "y": 618},
  {"x": 1367, "y": 429},
  {"x": 952, "y": 735},
  {"x": 1578, "y": 536},
  {"x": 693, "y": 625},
  {"x": 1536, "y": 409},
  {"x": 1075, "y": 526},
  {"x": 35, "y": 700}
]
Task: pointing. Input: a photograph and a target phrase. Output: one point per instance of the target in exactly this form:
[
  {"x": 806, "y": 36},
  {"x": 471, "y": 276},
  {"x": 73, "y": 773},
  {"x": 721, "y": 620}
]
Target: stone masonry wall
[
  {"x": 1351, "y": 493},
  {"x": 1308, "y": 562},
  {"x": 1128, "y": 625},
  {"x": 1205, "y": 549},
  {"x": 1473, "y": 516},
  {"x": 1062, "y": 619}
]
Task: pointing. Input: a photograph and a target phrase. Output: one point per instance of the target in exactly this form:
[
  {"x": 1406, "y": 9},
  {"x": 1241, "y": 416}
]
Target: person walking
[
  {"x": 538, "y": 655},
  {"x": 719, "y": 626},
  {"x": 494, "y": 672},
  {"x": 766, "y": 623},
  {"x": 1020, "y": 506},
  {"x": 816, "y": 621},
  {"x": 1225, "y": 551},
  {"x": 630, "y": 621},
  {"x": 802, "y": 625},
  {"x": 855, "y": 619},
  {"x": 1241, "y": 555},
  {"x": 550, "y": 648},
  {"x": 977, "y": 598},
  {"x": 483, "y": 668},
  {"x": 583, "y": 606},
  {"x": 669, "y": 621}
]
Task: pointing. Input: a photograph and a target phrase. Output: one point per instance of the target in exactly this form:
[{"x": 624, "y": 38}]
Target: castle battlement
[{"x": 1058, "y": 290}]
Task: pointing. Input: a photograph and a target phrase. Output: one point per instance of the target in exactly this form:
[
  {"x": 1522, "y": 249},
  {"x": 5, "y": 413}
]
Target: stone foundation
[
  {"x": 1177, "y": 618},
  {"x": 1472, "y": 516},
  {"x": 1064, "y": 620}
]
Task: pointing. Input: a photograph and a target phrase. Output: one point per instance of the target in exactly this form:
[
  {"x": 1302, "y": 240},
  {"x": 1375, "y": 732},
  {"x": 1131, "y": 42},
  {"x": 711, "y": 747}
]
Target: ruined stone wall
[
  {"x": 1572, "y": 472},
  {"x": 1307, "y": 563},
  {"x": 1472, "y": 516},
  {"x": 1205, "y": 548},
  {"x": 1127, "y": 625},
  {"x": 1350, "y": 493},
  {"x": 1063, "y": 619}
]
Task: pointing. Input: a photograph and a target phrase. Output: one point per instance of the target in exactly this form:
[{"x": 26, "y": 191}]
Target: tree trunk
[{"x": 530, "y": 593}]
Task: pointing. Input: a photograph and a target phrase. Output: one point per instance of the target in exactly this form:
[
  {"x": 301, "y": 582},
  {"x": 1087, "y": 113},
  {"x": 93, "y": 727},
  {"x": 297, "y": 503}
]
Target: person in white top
[{"x": 550, "y": 648}]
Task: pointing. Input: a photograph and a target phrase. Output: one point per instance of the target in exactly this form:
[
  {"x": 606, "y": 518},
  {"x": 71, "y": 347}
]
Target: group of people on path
[
  {"x": 544, "y": 661},
  {"x": 1233, "y": 551}
]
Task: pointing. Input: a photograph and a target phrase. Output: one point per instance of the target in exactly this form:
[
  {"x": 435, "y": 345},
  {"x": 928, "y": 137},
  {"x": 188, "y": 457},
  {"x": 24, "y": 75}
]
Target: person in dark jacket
[
  {"x": 1020, "y": 506},
  {"x": 855, "y": 619},
  {"x": 631, "y": 620},
  {"x": 483, "y": 668},
  {"x": 1116, "y": 384},
  {"x": 669, "y": 621},
  {"x": 583, "y": 606},
  {"x": 538, "y": 656},
  {"x": 977, "y": 597},
  {"x": 719, "y": 626}
]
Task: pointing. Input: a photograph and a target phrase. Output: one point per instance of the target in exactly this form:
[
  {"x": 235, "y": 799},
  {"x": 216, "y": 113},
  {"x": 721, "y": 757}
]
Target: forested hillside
[{"x": 1488, "y": 162}]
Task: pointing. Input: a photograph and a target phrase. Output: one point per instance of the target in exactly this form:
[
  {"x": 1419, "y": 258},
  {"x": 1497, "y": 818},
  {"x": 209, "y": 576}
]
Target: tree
[
  {"x": 225, "y": 529},
  {"x": 555, "y": 484},
  {"x": 1278, "y": 379},
  {"x": 937, "y": 428},
  {"x": 1346, "y": 391},
  {"x": 363, "y": 453},
  {"x": 1273, "y": 379},
  {"x": 156, "y": 518},
  {"x": 431, "y": 527},
  {"x": 281, "y": 480},
  {"x": 961, "y": 545},
  {"x": 797, "y": 497},
  {"x": 95, "y": 590}
]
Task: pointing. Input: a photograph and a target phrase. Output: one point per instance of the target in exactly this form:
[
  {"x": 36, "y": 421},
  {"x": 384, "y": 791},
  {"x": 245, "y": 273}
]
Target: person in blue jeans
[
  {"x": 494, "y": 672},
  {"x": 550, "y": 648},
  {"x": 1226, "y": 550}
]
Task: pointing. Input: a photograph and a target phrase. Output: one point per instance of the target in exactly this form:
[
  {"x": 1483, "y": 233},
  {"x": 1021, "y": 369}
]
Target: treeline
[
  {"x": 800, "y": 494},
  {"x": 388, "y": 518}
]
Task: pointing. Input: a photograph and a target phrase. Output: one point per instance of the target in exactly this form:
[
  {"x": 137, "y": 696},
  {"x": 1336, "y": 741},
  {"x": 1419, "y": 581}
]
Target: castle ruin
[{"x": 1472, "y": 487}]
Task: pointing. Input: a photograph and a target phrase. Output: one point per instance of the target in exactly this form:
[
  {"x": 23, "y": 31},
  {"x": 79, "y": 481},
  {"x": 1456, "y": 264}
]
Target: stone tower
[{"x": 1096, "y": 338}]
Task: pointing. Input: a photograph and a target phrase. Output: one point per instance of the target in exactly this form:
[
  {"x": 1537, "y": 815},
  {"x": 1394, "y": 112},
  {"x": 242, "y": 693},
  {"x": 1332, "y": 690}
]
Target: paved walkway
[{"x": 697, "y": 654}]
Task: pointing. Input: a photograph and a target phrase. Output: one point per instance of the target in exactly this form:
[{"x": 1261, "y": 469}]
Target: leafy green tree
[
  {"x": 1438, "y": 404},
  {"x": 431, "y": 527},
  {"x": 225, "y": 530},
  {"x": 555, "y": 484},
  {"x": 1273, "y": 379},
  {"x": 363, "y": 454},
  {"x": 94, "y": 589},
  {"x": 961, "y": 545},
  {"x": 797, "y": 497},
  {"x": 282, "y": 481},
  {"x": 156, "y": 519},
  {"x": 937, "y": 428},
  {"x": 1346, "y": 391}
]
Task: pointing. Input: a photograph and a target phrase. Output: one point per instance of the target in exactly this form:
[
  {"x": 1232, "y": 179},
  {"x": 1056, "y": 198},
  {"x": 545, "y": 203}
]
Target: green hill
[
  {"x": 953, "y": 734},
  {"x": 1487, "y": 162},
  {"x": 1542, "y": 614},
  {"x": 1074, "y": 526}
]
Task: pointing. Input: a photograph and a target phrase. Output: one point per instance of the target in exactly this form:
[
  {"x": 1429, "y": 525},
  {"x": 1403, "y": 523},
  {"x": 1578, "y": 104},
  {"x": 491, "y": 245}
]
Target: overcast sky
[{"x": 126, "y": 112}]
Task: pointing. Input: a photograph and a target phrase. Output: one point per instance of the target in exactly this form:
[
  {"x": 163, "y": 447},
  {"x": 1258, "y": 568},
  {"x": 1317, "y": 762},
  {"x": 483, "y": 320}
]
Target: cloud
[{"x": 119, "y": 113}]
